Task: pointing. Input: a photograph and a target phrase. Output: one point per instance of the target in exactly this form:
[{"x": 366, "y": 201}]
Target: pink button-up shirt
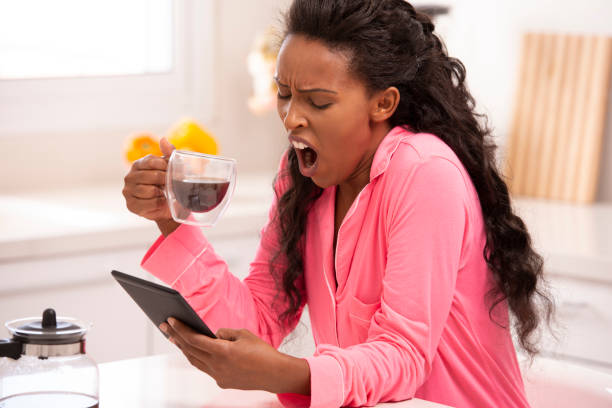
[{"x": 409, "y": 317}]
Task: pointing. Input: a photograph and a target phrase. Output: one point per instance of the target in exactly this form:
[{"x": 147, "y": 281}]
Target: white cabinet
[
  {"x": 62, "y": 258},
  {"x": 584, "y": 322},
  {"x": 81, "y": 286},
  {"x": 576, "y": 243}
]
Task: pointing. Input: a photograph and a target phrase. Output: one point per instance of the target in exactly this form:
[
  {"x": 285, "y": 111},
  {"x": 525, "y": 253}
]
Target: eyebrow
[{"x": 305, "y": 90}]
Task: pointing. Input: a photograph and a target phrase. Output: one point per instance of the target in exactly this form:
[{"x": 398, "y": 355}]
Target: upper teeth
[{"x": 298, "y": 145}]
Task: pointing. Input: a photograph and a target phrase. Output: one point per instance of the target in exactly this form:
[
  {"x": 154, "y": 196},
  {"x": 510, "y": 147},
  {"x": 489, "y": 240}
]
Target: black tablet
[{"x": 160, "y": 302}]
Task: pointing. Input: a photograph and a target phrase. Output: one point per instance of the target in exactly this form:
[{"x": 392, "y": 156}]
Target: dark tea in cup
[
  {"x": 200, "y": 195},
  {"x": 199, "y": 187}
]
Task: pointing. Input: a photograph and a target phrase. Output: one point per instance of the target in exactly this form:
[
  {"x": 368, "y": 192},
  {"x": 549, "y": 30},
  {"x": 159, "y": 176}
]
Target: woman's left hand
[{"x": 241, "y": 360}]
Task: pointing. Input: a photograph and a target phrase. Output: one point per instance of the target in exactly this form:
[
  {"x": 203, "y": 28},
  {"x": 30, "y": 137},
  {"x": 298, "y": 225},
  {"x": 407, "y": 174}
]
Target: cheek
[
  {"x": 280, "y": 109},
  {"x": 339, "y": 156},
  {"x": 344, "y": 151},
  {"x": 345, "y": 136}
]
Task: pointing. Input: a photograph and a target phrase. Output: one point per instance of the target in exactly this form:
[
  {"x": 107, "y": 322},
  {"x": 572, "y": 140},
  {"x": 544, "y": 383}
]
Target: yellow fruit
[
  {"x": 140, "y": 145},
  {"x": 189, "y": 135}
]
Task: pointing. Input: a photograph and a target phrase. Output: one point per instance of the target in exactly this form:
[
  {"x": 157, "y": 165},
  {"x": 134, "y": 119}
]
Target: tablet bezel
[{"x": 180, "y": 308}]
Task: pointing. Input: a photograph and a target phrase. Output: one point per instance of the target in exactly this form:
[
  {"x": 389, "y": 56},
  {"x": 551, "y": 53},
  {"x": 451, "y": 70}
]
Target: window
[
  {"x": 76, "y": 65},
  {"x": 75, "y": 38}
]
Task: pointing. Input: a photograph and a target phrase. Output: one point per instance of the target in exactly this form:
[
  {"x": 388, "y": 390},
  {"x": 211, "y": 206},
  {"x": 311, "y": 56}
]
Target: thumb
[{"x": 166, "y": 147}]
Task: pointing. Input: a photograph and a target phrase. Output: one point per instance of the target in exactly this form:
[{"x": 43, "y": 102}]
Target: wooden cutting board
[{"x": 554, "y": 145}]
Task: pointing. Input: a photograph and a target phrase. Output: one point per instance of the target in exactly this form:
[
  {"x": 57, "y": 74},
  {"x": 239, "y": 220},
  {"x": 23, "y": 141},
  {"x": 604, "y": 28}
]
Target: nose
[{"x": 292, "y": 117}]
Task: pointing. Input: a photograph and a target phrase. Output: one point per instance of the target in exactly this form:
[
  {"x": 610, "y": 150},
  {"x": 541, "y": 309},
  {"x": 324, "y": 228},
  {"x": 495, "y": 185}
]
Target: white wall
[
  {"x": 485, "y": 35},
  {"x": 256, "y": 141},
  {"x": 91, "y": 156}
]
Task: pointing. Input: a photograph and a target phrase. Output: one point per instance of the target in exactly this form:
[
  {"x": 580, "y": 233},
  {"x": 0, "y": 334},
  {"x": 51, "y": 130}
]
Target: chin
[{"x": 321, "y": 183}]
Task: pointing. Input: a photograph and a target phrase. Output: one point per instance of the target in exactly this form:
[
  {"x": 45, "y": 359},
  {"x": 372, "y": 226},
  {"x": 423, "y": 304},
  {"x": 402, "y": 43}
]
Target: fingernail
[
  {"x": 163, "y": 327},
  {"x": 171, "y": 322}
]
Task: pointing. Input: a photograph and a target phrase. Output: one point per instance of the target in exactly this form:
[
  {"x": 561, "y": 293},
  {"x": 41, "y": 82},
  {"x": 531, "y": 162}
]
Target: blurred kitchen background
[{"x": 79, "y": 78}]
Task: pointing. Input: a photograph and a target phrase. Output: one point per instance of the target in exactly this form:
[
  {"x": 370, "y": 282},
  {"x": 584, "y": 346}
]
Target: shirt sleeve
[
  {"x": 186, "y": 261},
  {"x": 426, "y": 220}
]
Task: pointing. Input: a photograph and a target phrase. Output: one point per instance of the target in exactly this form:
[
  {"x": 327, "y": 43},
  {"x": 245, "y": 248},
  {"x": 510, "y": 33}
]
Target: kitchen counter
[
  {"x": 575, "y": 240},
  {"x": 57, "y": 248},
  {"x": 170, "y": 381},
  {"x": 51, "y": 223}
]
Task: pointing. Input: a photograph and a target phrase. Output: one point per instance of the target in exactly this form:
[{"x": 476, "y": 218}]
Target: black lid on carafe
[{"x": 47, "y": 330}]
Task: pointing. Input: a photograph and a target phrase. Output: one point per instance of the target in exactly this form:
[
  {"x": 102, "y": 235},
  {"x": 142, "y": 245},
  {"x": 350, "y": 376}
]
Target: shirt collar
[{"x": 385, "y": 150}]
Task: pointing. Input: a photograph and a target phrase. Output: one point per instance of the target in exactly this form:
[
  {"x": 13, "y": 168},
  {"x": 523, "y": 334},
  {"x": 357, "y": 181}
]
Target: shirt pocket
[{"x": 361, "y": 314}]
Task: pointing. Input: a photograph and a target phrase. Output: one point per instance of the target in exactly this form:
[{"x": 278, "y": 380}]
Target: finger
[
  {"x": 199, "y": 362},
  {"x": 173, "y": 336},
  {"x": 190, "y": 351},
  {"x": 198, "y": 359},
  {"x": 151, "y": 162},
  {"x": 156, "y": 177},
  {"x": 228, "y": 334},
  {"x": 146, "y": 191},
  {"x": 145, "y": 206},
  {"x": 194, "y": 339},
  {"x": 166, "y": 147},
  {"x": 187, "y": 348},
  {"x": 166, "y": 330}
]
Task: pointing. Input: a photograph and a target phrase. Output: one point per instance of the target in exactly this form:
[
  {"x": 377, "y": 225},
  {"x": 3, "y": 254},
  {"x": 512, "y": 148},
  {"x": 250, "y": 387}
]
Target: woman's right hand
[{"x": 144, "y": 189}]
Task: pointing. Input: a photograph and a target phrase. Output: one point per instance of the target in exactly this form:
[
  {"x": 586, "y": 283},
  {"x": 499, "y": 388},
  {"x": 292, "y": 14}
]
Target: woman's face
[{"x": 326, "y": 109}]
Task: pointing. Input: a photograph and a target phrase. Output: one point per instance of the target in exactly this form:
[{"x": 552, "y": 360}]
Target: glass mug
[{"x": 199, "y": 187}]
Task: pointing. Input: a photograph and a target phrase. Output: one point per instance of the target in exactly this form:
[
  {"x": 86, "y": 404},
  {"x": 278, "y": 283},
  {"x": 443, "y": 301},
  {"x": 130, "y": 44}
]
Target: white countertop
[
  {"x": 575, "y": 240},
  {"x": 58, "y": 222},
  {"x": 169, "y": 381}
]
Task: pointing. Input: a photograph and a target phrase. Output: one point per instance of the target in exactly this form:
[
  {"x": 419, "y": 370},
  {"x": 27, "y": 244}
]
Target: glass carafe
[{"x": 44, "y": 364}]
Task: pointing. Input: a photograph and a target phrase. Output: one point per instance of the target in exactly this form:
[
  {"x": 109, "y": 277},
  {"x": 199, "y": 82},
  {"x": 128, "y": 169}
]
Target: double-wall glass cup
[{"x": 199, "y": 187}]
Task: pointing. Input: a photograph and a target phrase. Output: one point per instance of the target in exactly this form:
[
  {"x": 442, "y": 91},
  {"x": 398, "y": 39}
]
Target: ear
[{"x": 384, "y": 104}]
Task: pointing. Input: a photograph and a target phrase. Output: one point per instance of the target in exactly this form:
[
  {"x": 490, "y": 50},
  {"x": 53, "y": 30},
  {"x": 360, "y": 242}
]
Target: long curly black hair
[{"x": 391, "y": 44}]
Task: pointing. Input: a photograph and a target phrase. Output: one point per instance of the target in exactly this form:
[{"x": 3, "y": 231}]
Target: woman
[{"x": 391, "y": 221}]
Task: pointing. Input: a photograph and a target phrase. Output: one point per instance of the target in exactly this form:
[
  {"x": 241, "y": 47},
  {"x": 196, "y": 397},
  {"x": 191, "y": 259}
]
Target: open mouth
[
  {"x": 309, "y": 156},
  {"x": 306, "y": 155}
]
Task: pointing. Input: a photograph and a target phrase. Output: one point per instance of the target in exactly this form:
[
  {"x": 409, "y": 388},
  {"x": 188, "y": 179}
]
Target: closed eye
[
  {"x": 321, "y": 107},
  {"x": 314, "y": 105}
]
